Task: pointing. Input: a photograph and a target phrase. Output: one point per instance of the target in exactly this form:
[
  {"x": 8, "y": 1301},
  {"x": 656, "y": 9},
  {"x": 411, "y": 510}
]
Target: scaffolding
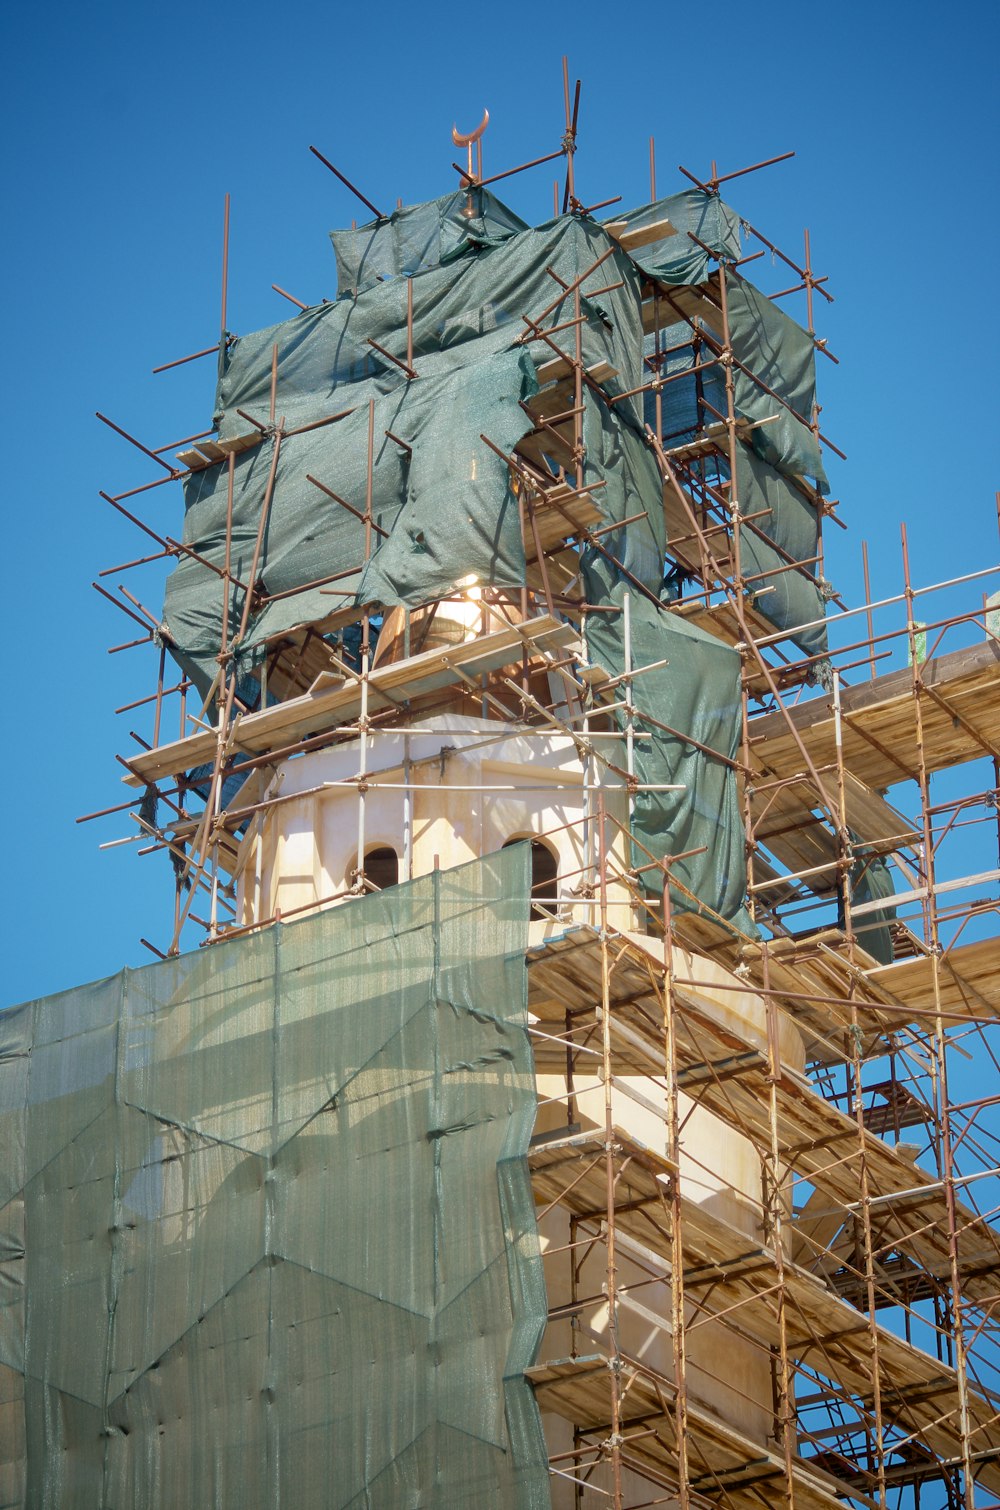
[{"x": 865, "y": 1278}]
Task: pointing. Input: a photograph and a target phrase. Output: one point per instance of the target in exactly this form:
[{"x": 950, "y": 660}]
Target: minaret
[{"x": 508, "y": 561}]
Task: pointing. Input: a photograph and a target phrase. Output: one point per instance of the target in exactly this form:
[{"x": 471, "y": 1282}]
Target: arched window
[
  {"x": 544, "y": 870},
  {"x": 382, "y": 867}
]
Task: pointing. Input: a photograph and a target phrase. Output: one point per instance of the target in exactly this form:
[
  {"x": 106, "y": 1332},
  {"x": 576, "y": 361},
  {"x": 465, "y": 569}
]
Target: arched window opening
[
  {"x": 382, "y": 867},
  {"x": 544, "y": 871}
]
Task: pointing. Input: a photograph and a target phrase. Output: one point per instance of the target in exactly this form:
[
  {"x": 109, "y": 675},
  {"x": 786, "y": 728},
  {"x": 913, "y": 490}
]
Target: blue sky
[{"x": 124, "y": 127}]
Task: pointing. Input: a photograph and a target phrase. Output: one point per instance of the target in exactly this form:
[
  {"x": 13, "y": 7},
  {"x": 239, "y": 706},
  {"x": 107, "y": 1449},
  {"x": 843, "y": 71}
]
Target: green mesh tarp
[
  {"x": 678, "y": 258},
  {"x": 445, "y": 502},
  {"x": 419, "y": 236},
  {"x": 622, "y": 471},
  {"x": 871, "y": 880},
  {"x": 469, "y": 503},
  {"x": 787, "y": 532},
  {"x": 697, "y": 695},
  {"x": 776, "y": 351},
  {"x": 309, "y": 537},
  {"x": 268, "y": 1236},
  {"x": 781, "y": 355},
  {"x": 463, "y": 311},
  {"x": 687, "y": 403}
]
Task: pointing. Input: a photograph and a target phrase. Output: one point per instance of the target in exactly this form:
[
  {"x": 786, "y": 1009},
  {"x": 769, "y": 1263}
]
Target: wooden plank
[
  {"x": 917, "y": 1388},
  {"x": 558, "y": 519},
  {"x": 630, "y": 238},
  {"x": 796, "y": 836},
  {"x": 300, "y": 716},
  {"x": 820, "y": 964},
  {"x": 782, "y": 893},
  {"x": 720, "y": 620},
  {"x": 239, "y": 443},
  {"x": 968, "y": 981},
  {"x": 818, "y": 1141},
  {"x": 555, "y": 441},
  {"x": 969, "y": 680},
  {"x": 878, "y": 825},
  {"x": 687, "y": 302},
  {"x": 551, "y": 371},
  {"x": 579, "y": 1389},
  {"x": 209, "y": 452}
]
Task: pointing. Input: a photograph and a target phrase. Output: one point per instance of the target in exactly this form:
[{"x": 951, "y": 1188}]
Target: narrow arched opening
[
  {"x": 382, "y": 866},
  {"x": 544, "y": 873}
]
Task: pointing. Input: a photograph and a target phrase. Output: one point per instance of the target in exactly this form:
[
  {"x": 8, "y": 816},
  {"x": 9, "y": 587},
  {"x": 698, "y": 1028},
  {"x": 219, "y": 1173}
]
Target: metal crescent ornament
[{"x": 466, "y": 141}]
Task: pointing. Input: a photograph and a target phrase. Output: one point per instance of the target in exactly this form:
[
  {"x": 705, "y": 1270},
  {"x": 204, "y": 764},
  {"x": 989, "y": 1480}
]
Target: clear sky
[{"x": 124, "y": 125}]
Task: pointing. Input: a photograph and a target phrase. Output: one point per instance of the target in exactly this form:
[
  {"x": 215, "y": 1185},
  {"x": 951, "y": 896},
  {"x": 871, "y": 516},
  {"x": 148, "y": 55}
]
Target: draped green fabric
[
  {"x": 697, "y": 696},
  {"x": 443, "y": 496},
  {"x": 871, "y": 880},
  {"x": 463, "y": 311},
  {"x": 788, "y": 532},
  {"x": 679, "y": 258},
  {"x": 775, "y": 380},
  {"x": 419, "y": 236},
  {"x": 268, "y": 1236}
]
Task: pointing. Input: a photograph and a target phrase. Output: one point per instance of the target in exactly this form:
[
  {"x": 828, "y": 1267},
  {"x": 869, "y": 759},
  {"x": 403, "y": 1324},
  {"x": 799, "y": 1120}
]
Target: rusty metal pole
[
  {"x": 615, "y": 1439},
  {"x": 774, "y": 1228},
  {"x": 940, "y": 1049},
  {"x": 569, "y": 142},
  {"x": 203, "y": 840},
  {"x": 875, "y": 1428},
  {"x": 731, "y": 438},
  {"x": 678, "y": 1320},
  {"x": 363, "y": 720},
  {"x": 736, "y": 591},
  {"x": 227, "y": 673},
  {"x": 409, "y": 323},
  {"x": 159, "y": 696}
]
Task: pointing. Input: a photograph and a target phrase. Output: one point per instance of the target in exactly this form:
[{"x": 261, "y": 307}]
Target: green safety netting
[
  {"x": 463, "y": 311},
  {"x": 689, "y": 403},
  {"x": 871, "y": 881},
  {"x": 420, "y": 236},
  {"x": 696, "y": 695},
  {"x": 268, "y": 1237},
  {"x": 678, "y": 258},
  {"x": 623, "y": 472},
  {"x": 775, "y": 354},
  {"x": 472, "y": 496},
  {"x": 443, "y": 496},
  {"x": 788, "y": 532},
  {"x": 778, "y": 355}
]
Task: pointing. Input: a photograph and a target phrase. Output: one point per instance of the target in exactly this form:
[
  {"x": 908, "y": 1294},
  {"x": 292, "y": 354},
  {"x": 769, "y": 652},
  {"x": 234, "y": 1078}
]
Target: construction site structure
[{"x": 519, "y": 541}]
